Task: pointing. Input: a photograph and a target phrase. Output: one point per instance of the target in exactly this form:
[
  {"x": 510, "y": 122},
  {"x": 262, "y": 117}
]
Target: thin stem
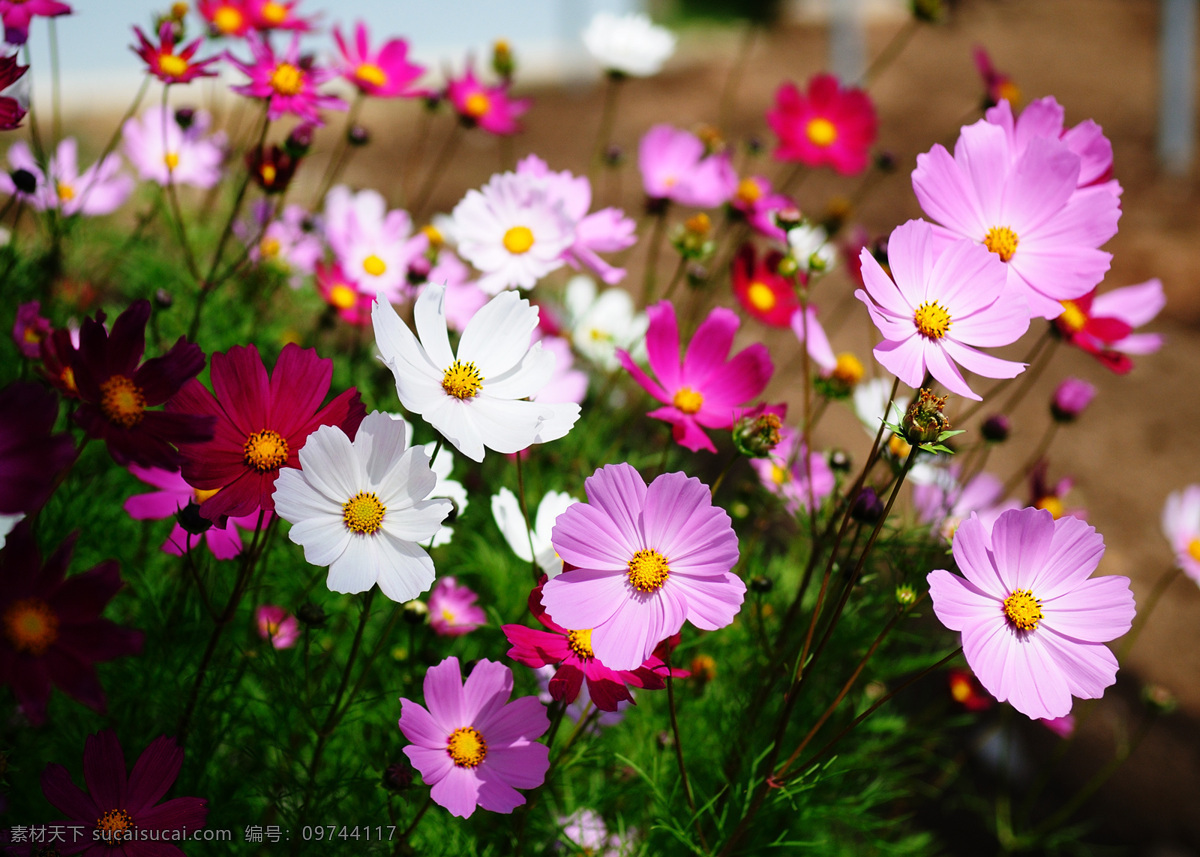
[
  {"x": 176, "y": 212},
  {"x": 1034, "y": 457},
  {"x": 608, "y": 115},
  {"x": 55, "y": 81},
  {"x": 656, "y": 240},
  {"x": 1030, "y": 358},
  {"x": 118, "y": 131},
  {"x": 729, "y": 90},
  {"x": 687, "y": 786},
  {"x": 416, "y": 819},
  {"x": 341, "y": 154},
  {"x": 435, "y": 172},
  {"x": 525, "y": 515},
  {"x": 890, "y": 51},
  {"x": 1156, "y": 594}
]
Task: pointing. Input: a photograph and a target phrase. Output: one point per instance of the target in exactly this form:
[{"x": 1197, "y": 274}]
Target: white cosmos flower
[
  {"x": 600, "y": 324},
  {"x": 629, "y": 44},
  {"x": 475, "y": 399},
  {"x": 446, "y": 488},
  {"x": 506, "y": 509},
  {"x": 359, "y": 507},
  {"x": 810, "y": 247}
]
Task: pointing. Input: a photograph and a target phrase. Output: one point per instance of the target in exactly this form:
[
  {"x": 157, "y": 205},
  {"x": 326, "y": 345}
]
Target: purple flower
[
  {"x": 100, "y": 189},
  {"x": 1045, "y": 118},
  {"x": 1181, "y": 526},
  {"x": 784, "y": 472},
  {"x": 473, "y": 746},
  {"x": 675, "y": 166},
  {"x": 1071, "y": 399},
  {"x": 30, "y": 456},
  {"x": 1033, "y": 624},
  {"x": 277, "y": 625},
  {"x": 30, "y": 329},
  {"x": 452, "y": 609}
]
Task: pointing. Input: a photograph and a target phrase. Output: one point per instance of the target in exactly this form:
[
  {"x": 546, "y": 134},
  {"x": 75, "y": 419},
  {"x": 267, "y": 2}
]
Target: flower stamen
[
  {"x": 466, "y": 747},
  {"x": 122, "y": 401},
  {"x": 287, "y": 79},
  {"x": 688, "y": 400},
  {"x": 580, "y": 642},
  {"x": 363, "y": 513},
  {"x": 370, "y": 73},
  {"x": 518, "y": 240},
  {"x": 31, "y": 626},
  {"x": 648, "y": 571},
  {"x": 265, "y": 451},
  {"x": 932, "y": 320},
  {"x": 1002, "y": 241},
  {"x": 821, "y": 132},
  {"x": 115, "y": 826},
  {"x": 761, "y": 297},
  {"x": 1023, "y": 610},
  {"x": 462, "y": 380}
]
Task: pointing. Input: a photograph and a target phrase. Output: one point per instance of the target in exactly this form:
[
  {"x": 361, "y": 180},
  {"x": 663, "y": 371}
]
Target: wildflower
[
  {"x": 628, "y": 44},
  {"x": 262, "y": 423},
  {"x": 644, "y": 559},
  {"x": 168, "y": 65},
  {"x": 1033, "y": 626},
  {"x": 30, "y": 328},
  {"x": 489, "y": 107},
  {"x": 583, "y": 832},
  {"x": 602, "y": 323},
  {"x": 225, "y": 17},
  {"x": 471, "y": 745},
  {"x": 966, "y": 690},
  {"x": 1102, "y": 324},
  {"x": 98, "y": 190},
  {"x": 939, "y": 307},
  {"x": 1181, "y": 526},
  {"x": 11, "y": 109},
  {"x": 998, "y": 86},
  {"x": 359, "y": 506},
  {"x": 755, "y": 201},
  {"x": 342, "y": 294},
  {"x": 288, "y": 85},
  {"x": 825, "y": 126},
  {"x": 474, "y": 398},
  {"x": 268, "y": 15},
  {"x": 507, "y": 513},
  {"x": 761, "y": 290},
  {"x": 373, "y": 246},
  {"x": 164, "y": 152},
  {"x": 51, "y": 630},
  {"x": 120, "y": 811},
  {"x": 17, "y": 14},
  {"x": 452, "y": 609},
  {"x": 277, "y": 626},
  {"x": 676, "y": 166},
  {"x": 703, "y": 390},
  {"x": 31, "y": 458},
  {"x": 271, "y": 167},
  {"x": 757, "y": 431},
  {"x": 1044, "y": 495},
  {"x": 117, "y": 389},
  {"x": 789, "y": 471},
  {"x": 809, "y": 247},
  {"x": 1071, "y": 398},
  {"x": 287, "y": 243},
  {"x": 1045, "y": 118},
  {"x": 945, "y": 502},
  {"x": 383, "y": 73}
]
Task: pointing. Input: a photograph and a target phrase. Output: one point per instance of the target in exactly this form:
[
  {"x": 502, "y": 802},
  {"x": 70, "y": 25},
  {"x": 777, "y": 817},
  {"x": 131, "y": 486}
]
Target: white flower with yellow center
[
  {"x": 628, "y": 44},
  {"x": 600, "y": 324},
  {"x": 506, "y": 509},
  {"x": 360, "y": 508},
  {"x": 474, "y": 398}
]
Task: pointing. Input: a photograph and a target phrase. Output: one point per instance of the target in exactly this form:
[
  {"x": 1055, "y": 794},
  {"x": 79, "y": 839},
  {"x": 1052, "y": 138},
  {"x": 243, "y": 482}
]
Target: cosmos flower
[
  {"x": 382, "y": 73},
  {"x": 342, "y": 294},
  {"x": 628, "y": 44},
  {"x": 288, "y": 85},
  {"x": 943, "y": 503},
  {"x": 602, "y": 323},
  {"x": 755, "y": 201},
  {"x": 31, "y": 458},
  {"x": 1103, "y": 324},
  {"x": 998, "y": 86},
  {"x": 268, "y": 15},
  {"x": 373, "y": 246},
  {"x": 583, "y": 832},
  {"x": 1181, "y": 526},
  {"x": 288, "y": 243},
  {"x": 824, "y": 126},
  {"x": 11, "y": 109},
  {"x": 1033, "y": 624},
  {"x": 277, "y": 626},
  {"x": 488, "y": 107},
  {"x": 786, "y": 472},
  {"x": 676, "y": 166},
  {"x": 161, "y": 150},
  {"x": 1045, "y": 117},
  {"x": 17, "y": 14},
  {"x": 165, "y": 63},
  {"x": 1071, "y": 398},
  {"x": 452, "y": 609},
  {"x": 473, "y": 746},
  {"x": 100, "y": 189},
  {"x": 225, "y": 17},
  {"x": 761, "y": 290},
  {"x": 507, "y": 512}
]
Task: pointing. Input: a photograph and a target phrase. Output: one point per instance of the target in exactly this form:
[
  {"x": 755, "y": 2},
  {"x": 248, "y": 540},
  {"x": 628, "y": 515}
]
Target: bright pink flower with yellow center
[
  {"x": 287, "y": 83},
  {"x": 383, "y": 73},
  {"x": 705, "y": 389},
  {"x": 825, "y": 126},
  {"x": 167, "y": 64},
  {"x": 17, "y": 14},
  {"x": 761, "y": 290},
  {"x": 1102, "y": 325},
  {"x": 226, "y": 17},
  {"x": 489, "y": 107},
  {"x": 267, "y": 15}
]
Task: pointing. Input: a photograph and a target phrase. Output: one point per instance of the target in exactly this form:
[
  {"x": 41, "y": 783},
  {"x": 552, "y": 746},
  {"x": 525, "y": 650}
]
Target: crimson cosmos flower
[
  {"x": 262, "y": 422},
  {"x": 11, "y": 111},
  {"x": 30, "y": 456},
  {"x": 761, "y": 290},
  {"x": 168, "y": 65}
]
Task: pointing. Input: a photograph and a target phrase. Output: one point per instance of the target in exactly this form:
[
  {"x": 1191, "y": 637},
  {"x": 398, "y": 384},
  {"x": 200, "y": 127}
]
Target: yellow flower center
[
  {"x": 821, "y": 132},
  {"x": 688, "y": 400},
  {"x": 1010, "y": 92},
  {"x": 898, "y": 446},
  {"x": 648, "y": 571},
  {"x": 849, "y": 369},
  {"x": 581, "y": 643},
  {"x": 1073, "y": 318},
  {"x": 269, "y": 248},
  {"x": 1051, "y": 504},
  {"x": 178, "y": 10},
  {"x": 477, "y": 104},
  {"x": 1002, "y": 241},
  {"x": 31, "y": 626},
  {"x": 462, "y": 380},
  {"x": 274, "y": 13},
  {"x": 436, "y": 239},
  {"x": 932, "y": 320},
  {"x": 67, "y": 377},
  {"x": 779, "y": 475},
  {"x": 31, "y": 335},
  {"x": 342, "y": 297},
  {"x": 760, "y": 296},
  {"x": 171, "y": 159},
  {"x": 363, "y": 513},
  {"x": 1023, "y": 610},
  {"x": 66, "y": 193},
  {"x": 370, "y": 73},
  {"x": 960, "y": 688},
  {"x": 466, "y": 747},
  {"x": 265, "y": 450},
  {"x": 122, "y": 401},
  {"x": 115, "y": 826},
  {"x": 1193, "y": 549},
  {"x": 268, "y": 174},
  {"x": 228, "y": 20},
  {"x": 374, "y": 266},
  {"x": 287, "y": 79},
  {"x": 171, "y": 65},
  {"x": 748, "y": 191},
  {"x": 518, "y": 240}
]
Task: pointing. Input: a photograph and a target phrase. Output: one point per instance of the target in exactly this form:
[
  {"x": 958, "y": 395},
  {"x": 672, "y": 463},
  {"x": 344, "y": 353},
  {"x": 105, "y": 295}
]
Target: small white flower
[
  {"x": 506, "y": 509},
  {"x": 359, "y": 507},
  {"x": 475, "y": 399},
  {"x": 602, "y": 324},
  {"x": 810, "y": 248},
  {"x": 629, "y": 44}
]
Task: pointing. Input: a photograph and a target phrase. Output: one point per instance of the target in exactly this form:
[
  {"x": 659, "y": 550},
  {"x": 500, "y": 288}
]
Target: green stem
[
  {"x": 687, "y": 786},
  {"x": 435, "y": 172},
  {"x": 652, "y": 253},
  {"x": 608, "y": 114}
]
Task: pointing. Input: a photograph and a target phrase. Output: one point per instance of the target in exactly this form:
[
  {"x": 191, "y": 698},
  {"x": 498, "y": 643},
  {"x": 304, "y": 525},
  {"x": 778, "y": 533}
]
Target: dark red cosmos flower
[
  {"x": 165, "y": 63},
  {"x": 51, "y": 632},
  {"x": 116, "y": 391},
  {"x": 120, "y": 812},
  {"x": 30, "y": 456},
  {"x": 572, "y": 650},
  {"x": 262, "y": 422},
  {"x": 1094, "y": 334},
  {"x": 56, "y": 351},
  {"x": 759, "y": 287},
  {"x": 11, "y": 111}
]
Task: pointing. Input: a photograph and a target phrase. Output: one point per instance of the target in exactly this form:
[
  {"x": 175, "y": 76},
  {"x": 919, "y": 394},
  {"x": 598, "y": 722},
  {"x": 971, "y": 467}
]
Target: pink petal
[
  {"x": 662, "y": 345},
  {"x": 957, "y": 602},
  {"x": 1094, "y": 611},
  {"x": 708, "y": 348},
  {"x": 1021, "y": 542}
]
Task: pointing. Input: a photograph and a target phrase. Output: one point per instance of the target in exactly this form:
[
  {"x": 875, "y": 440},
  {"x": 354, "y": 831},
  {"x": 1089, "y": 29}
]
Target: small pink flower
[
  {"x": 288, "y": 84},
  {"x": 786, "y": 472},
  {"x": 100, "y": 189},
  {"x": 675, "y": 166},
  {"x": 998, "y": 86},
  {"x": 489, "y": 107},
  {"x": 277, "y": 625},
  {"x": 825, "y": 126},
  {"x": 165, "y": 63},
  {"x": 341, "y": 293},
  {"x": 1181, "y": 526},
  {"x": 704, "y": 389},
  {"x": 473, "y": 746},
  {"x": 759, "y": 204},
  {"x": 1102, "y": 325},
  {"x": 944, "y": 502},
  {"x": 17, "y": 14},
  {"x": 1071, "y": 398},
  {"x": 373, "y": 246},
  {"x": 383, "y": 73},
  {"x": 452, "y": 609},
  {"x": 30, "y": 329}
]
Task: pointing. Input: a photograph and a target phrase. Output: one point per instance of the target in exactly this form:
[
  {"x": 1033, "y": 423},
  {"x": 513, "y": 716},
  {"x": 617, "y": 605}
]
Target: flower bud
[
  {"x": 312, "y": 615},
  {"x": 928, "y": 11},
  {"x": 184, "y": 117},
  {"x": 397, "y": 777},
  {"x": 760, "y": 583},
  {"x": 358, "y": 135},
  {"x": 925, "y": 421},
  {"x": 757, "y": 433},
  {"x": 1071, "y": 399},
  {"x": 867, "y": 508},
  {"x": 839, "y": 460},
  {"x": 163, "y": 299},
  {"x": 996, "y": 428},
  {"x": 24, "y": 181},
  {"x": 614, "y": 156},
  {"x": 192, "y": 521},
  {"x": 906, "y": 596},
  {"x": 416, "y": 612},
  {"x": 704, "y": 668},
  {"x": 299, "y": 141},
  {"x": 503, "y": 62},
  {"x": 1159, "y": 699}
]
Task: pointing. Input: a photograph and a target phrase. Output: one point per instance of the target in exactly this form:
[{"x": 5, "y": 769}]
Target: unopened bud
[
  {"x": 312, "y": 615},
  {"x": 788, "y": 218},
  {"x": 906, "y": 596},
  {"x": 416, "y": 612},
  {"x": 184, "y": 117},
  {"x": 925, "y": 422},
  {"x": 192, "y": 521},
  {"x": 163, "y": 299},
  {"x": 503, "y": 62},
  {"x": 24, "y": 181},
  {"x": 759, "y": 583},
  {"x": 1159, "y": 698},
  {"x": 867, "y": 508},
  {"x": 996, "y": 428},
  {"x": 358, "y": 135},
  {"x": 1071, "y": 399},
  {"x": 397, "y": 777},
  {"x": 756, "y": 435},
  {"x": 299, "y": 141},
  {"x": 614, "y": 156},
  {"x": 839, "y": 460},
  {"x": 928, "y": 11}
]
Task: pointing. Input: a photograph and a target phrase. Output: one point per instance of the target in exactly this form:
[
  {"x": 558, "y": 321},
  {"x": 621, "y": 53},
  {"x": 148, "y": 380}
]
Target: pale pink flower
[
  {"x": 452, "y": 609},
  {"x": 374, "y": 246},
  {"x": 786, "y": 472},
  {"x": 100, "y": 189},
  {"x": 1181, "y": 526},
  {"x": 675, "y": 166},
  {"x": 161, "y": 151},
  {"x": 277, "y": 625}
]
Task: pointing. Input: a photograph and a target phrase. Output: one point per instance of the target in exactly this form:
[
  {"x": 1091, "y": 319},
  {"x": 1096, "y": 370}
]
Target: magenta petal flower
[
  {"x": 452, "y": 609},
  {"x": 1033, "y": 624},
  {"x": 675, "y": 166},
  {"x": 473, "y": 746},
  {"x": 288, "y": 84},
  {"x": 645, "y": 560},
  {"x": 16, "y": 15},
  {"x": 277, "y": 625},
  {"x": 939, "y": 307},
  {"x": 30, "y": 456},
  {"x": 120, "y": 812},
  {"x": 382, "y": 73},
  {"x": 704, "y": 389}
]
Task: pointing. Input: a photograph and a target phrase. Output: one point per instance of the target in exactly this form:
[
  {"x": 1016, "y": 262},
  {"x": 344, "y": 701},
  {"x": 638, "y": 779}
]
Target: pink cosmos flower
[
  {"x": 642, "y": 560},
  {"x": 1071, "y": 398},
  {"x": 277, "y": 625},
  {"x": 755, "y": 200},
  {"x": 1181, "y": 526},
  {"x": 567, "y": 384},
  {"x": 489, "y": 107},
  {"x": 165, "y": 63},
  {"x": 998, "y": 86},
  {"x": 1102, "y": 325},
  {"x": 676, "y": 166},
  {"x": 473, "y": 746},
  {"x": 384, "y": 73},
  {"x": 30, "y": 328},
  {"x": 225, "y": 17},
  {"x": 161, "y": 150},
  {"x": 704, "y": 389},
  {"x": 289, "y": 85},
  {"x": 1045, "y": 118},
  {"x": 341, "y": 293},
  {"x": 267, "y": 15},
  {"x": 452, "y": 609},
  {"x": 175, "y": 494},
  {"x": 1033, "y": 625},
  {"x": 944, "y": 502},
  {"x": 825, "y": 126},
  {"x": 784, "y": 472},
  {"x": 100, "y": 189},
  {"x": 121, "y": 807},
  {"x": 939, "y": 308},
  {"x": 1025, "y": 206},
  {"x": 373, "y": 246},
  {"x": 289, "y": 243},
  {"x": 16, "y": 15}
]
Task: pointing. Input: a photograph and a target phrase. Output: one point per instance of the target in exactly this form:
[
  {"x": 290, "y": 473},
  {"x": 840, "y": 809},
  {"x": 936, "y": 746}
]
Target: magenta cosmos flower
[
  {"x": 452, "y": 609},
  {"x": 277, "y": 626},
  {"x": 1102, "y": 325},
  {"x": 289, "y": 85},
  {"x": 30, "y": 456},
  {"x": 11, "y": 110},
  {"x": 939, "y": 307},
  {"x": 262, "y": 422},
  {"x": 642, "y": 560},
  {"x": 1033, "y": 624},
  {"x": 489, "y": 107},
  {"x": 382, "y": 73},
  {"x": 704, "y": 390},
  {"x": 825, "y": 126},
  {"x": 51, "y": 630},
  {"x": 117, "y": 390},
  {"x": 762, "y": 291},
  {"x": 165, "y": 63},
  {"x": 675, "y": 165},
  {"x": 572, "y": 652},
  {"x": 225, "y": 17},
  {"x": 17, "y": 15},
  {"x": 473, "y": 746},
  {"x": 120, "y": 812}
]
